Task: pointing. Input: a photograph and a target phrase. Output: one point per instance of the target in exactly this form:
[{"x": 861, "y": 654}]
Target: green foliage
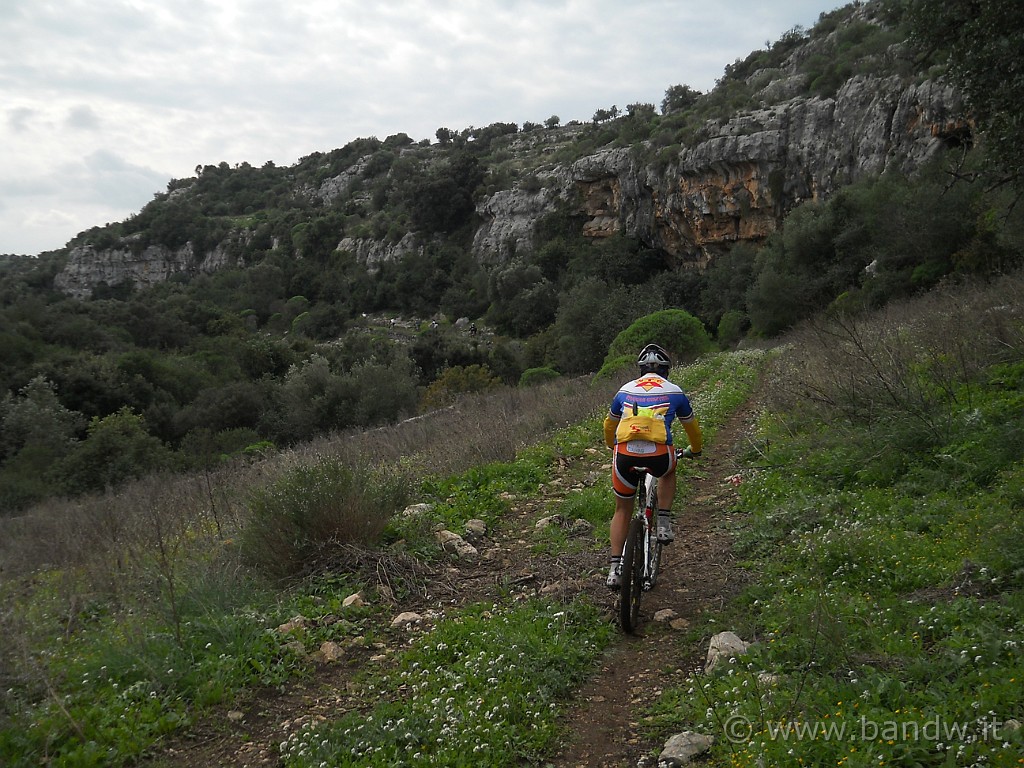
[
  {"x": 590, "y": 316},
  {"x": 677, "y": 331},
  {"x": 503, "y": 672},
  {"x": 679, "y": 97},
  {"x": 128, "y": 684},
  {"x": 443, "y": 200},
  {"x": 726, "y": 282},
  {"x": 315, "y": 397},
  {"x": 872, "y": 242},
  {"x": 533, "y": 376},
  {"x": 732, "y": 327},
  {"x": 455, "y": 381},
  {"x": 117, "y": 448},
  {"x": 304, "y": 517},
  {"x": 523, "y": 301},
  {"x": 36, "y": 417},
  {"x": 979, "y": 41},
  {"x": 889, "y": 580}
]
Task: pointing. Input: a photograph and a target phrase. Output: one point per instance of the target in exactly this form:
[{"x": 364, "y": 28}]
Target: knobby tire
[{"x": 632, "y": 576}]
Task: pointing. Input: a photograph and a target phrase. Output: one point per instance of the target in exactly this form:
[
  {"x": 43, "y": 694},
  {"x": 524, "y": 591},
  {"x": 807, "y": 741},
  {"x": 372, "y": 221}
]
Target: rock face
[
  {"x": 739, "y": 182},
  {"x": 374, "y": 252},
  {"x": 88, "y": 267},
  {"x": 734, "y": 182}
]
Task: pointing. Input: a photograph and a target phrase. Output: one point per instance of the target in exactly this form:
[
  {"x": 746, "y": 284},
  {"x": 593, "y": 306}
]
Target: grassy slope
[{"x": 883, "y": 525}]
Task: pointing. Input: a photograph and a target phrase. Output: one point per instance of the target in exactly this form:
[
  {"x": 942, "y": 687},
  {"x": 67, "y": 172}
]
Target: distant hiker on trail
[{"x": 638, "y": 428}]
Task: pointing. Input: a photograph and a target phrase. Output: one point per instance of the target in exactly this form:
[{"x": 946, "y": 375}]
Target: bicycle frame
[
  {"x": 648, "y": 508},
  {"x": 641, "y": 556}
]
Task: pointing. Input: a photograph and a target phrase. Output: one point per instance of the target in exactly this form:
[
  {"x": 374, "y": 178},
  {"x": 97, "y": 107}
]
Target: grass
[
  {"x": 101, "y": 665},
  {"x": 887, "y": 611},
  {"x": 485, "y": 687}
]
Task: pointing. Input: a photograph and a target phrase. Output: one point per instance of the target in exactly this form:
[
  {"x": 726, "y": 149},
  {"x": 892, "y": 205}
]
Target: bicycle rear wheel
[{"x": 632, "y": 576}]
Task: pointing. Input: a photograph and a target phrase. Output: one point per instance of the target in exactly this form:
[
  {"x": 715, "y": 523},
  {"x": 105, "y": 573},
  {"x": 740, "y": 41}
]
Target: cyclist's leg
[
  {"x": 624, "y": 486},
  {"x": 666, "y": 494},
  {"x": 667, "y": 489},
  {"x": 620, "y": 523}
]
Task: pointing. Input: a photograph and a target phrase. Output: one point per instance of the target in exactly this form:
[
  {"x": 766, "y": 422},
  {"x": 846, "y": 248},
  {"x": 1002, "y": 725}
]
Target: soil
[{"x": 602, "y": 724}]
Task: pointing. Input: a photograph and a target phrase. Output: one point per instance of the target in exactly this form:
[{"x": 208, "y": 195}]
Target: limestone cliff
[
  {"x": 87, "y": 267},
  {"x": 729, "y": 180},
  {"x": 737, "y": 183}
]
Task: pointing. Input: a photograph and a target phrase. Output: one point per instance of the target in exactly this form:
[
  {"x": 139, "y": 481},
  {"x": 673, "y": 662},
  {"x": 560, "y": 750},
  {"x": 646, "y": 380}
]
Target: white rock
[
  {"x": 683, "y": 747},
  {"x": 405, "y": 619},
  {"x": 724, "y": 644}
]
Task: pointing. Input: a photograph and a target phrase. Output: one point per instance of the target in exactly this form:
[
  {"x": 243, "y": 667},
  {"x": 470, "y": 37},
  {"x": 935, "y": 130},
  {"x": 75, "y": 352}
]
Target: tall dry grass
[
  {"x": 912, "y": 360},
  {"x": 101, "y": 543},
  {"x": 146, "y": 546}
]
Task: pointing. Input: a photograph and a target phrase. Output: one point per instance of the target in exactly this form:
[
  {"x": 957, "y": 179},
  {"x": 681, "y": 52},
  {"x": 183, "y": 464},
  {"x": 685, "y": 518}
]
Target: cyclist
[{"x": 638, "y": 428}]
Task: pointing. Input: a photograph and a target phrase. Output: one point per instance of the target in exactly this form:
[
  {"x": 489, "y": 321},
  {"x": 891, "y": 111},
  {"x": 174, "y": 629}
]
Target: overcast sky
[{"x": 102, "y": 102}]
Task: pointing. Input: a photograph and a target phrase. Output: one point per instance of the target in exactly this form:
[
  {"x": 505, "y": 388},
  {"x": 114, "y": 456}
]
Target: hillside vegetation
[
  {"x": 196, "y": 478},
  {"x": 882, "y": 491},
  {"x": 291, "y": 342}
]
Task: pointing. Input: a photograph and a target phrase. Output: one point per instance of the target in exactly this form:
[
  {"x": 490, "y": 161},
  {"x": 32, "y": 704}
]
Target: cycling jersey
[{"x": 643, "y": 410}]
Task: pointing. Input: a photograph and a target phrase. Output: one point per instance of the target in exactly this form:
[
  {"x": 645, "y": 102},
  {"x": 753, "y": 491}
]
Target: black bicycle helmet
[{"x": 654, "y": 359}]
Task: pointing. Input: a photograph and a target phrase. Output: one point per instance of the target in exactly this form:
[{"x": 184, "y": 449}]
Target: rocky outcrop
[
  {"x": 88, "y": 267},
  {"x": 509, "y": 217},
  {"x": 373, "y": 253},
  {"x": 739, "y": 181},
  {"x": 735, "y": 182}
]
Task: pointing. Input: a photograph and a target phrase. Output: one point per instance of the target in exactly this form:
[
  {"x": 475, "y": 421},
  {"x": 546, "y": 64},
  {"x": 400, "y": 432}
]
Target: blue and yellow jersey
[{"x": 644, "y": 410}]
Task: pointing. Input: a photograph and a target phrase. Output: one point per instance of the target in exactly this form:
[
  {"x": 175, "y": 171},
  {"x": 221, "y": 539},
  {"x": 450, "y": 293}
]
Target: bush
[
  {"x": 680, "y": 333},
  {"x": 116, "y": 449},
  {"x": 314, "y": 509},
  {"x": 534, "y": 376},
  {"x": 456, "y": 381},
  {"x": 732, "y": 327}
]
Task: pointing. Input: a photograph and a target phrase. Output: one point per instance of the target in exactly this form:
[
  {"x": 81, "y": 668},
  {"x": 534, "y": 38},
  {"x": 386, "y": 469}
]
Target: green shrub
[
  {"x": 732, "y": 327},
  {"x": 313, "y": 509},
  {"x": 679, "y": 332},
  {"x": 533, "y": 376}
]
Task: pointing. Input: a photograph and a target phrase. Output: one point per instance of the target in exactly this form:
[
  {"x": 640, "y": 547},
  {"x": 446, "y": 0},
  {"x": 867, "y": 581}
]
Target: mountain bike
[{"x": 641, "y": 556}]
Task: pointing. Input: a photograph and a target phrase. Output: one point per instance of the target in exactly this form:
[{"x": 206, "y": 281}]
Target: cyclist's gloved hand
[{"x": 686, "y": 453}]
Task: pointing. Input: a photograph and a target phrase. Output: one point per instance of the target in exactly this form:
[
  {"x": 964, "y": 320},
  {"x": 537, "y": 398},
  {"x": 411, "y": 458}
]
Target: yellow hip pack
[{"x": 642, "y": 424}]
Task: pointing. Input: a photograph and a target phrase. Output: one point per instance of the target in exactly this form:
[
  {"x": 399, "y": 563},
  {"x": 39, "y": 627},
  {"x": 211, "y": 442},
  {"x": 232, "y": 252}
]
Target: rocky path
[
  {"x": 698, "y": 573},
  {"x": 602, "y": 723}
]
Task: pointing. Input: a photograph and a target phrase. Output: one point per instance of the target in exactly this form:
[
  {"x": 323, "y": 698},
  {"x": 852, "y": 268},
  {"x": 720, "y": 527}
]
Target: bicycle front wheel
[{"x": 633, "y": 562}]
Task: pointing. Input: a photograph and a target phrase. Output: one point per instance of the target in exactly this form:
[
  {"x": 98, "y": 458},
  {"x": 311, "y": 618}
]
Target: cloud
[
  {"x": 18, "y": 119},
  {"x": 104, "y": 102},
  {"x": 82, "y": 117}
]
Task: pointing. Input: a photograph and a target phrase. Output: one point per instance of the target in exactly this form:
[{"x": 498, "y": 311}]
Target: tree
[
  {"x": 117, "y": 448},
  {"x": 456, "y": 381},
  {"x": 590, "y": 314},
  {"x": 553, "y": 122},
  {"x": 640, "y": 111},
  {"x": 679, "y": 97},
  {"x": 37, "y": 417},
  {"x": 983, "y": 41},
  {"x": 680, "y": 333}
]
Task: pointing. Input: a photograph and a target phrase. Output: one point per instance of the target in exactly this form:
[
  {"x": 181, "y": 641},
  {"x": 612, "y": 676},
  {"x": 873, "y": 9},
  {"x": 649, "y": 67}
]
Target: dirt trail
[{"x": 698, "y": 573}]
